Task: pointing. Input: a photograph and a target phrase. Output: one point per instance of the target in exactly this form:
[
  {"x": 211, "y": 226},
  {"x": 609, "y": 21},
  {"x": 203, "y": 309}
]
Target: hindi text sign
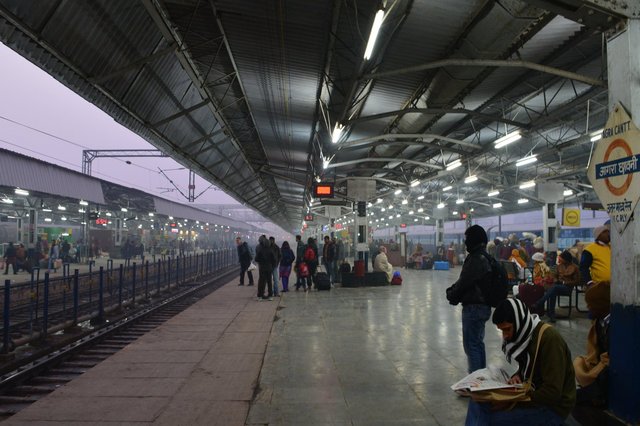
[{"x": 614, "y": 167}]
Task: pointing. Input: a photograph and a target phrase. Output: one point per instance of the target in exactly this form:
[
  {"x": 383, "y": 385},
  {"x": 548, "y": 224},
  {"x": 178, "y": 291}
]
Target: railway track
[{"x": 28, "y": 383}]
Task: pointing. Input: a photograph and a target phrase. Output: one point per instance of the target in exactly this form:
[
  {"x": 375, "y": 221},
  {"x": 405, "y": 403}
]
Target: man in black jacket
[
  {"x": 475, "y": 312},
  {"x": 244, "y": 257}
]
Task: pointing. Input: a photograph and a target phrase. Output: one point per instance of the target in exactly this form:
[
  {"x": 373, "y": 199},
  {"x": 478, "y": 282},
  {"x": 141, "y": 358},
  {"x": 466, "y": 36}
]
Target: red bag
[{"x": 303, "y": 270}]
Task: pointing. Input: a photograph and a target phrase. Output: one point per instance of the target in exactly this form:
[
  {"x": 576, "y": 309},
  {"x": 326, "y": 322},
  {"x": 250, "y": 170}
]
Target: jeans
[
  {"x": 275, "y": 274},
  {"x": 328, "y": 264},
  {"x": 264, "y": 280},
  {"x": 480, "y": 414},
  {"x": 473, "y": 319},
  {"x": 551, "y": 295},
  {"x": 243, "y": 269}
]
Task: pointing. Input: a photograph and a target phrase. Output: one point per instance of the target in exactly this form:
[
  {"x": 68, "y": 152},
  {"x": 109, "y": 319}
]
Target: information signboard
[{"x": 614, "y": 167}]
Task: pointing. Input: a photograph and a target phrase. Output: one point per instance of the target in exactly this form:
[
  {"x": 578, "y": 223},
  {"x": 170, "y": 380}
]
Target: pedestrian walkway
[{"x": 350, "y": 356}]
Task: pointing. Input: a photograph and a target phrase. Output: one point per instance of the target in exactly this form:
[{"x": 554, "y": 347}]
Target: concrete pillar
[
  {"x": 623, "y": 62},
  {"x": 31, "y": 232},
  {"x": 118, "y": 232}
]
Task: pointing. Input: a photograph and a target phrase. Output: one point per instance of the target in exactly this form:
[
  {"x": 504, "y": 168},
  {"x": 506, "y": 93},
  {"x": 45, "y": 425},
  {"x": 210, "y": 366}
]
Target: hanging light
[
  {"x": 447, "y": 188},
  {"x": 523, "y": 200},
  {"x": 567, "y": 192},
  {"x": 19, "y": 191},
  {"x": 454, "y": 165},
  {"x": 493, "y": 193},
  {"x": 421, "y": 197},
  {"x": 526, "y": 160},
  {"x": 497, "y": 205},
  {"x": 528, "y": 184},
  {"x": 441, "y": 205},
  {"x": 470, "y": 179},
  {"x": 415, "y": 183},
  {"x": 337, "y": 133},
  {"x": 507, "y": 139},
  {"x": 373, "y": 35}
]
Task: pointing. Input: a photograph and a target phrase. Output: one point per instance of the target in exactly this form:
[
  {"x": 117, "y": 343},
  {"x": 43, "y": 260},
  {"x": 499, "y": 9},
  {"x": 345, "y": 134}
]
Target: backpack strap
[{"x": 528, "y": 383}]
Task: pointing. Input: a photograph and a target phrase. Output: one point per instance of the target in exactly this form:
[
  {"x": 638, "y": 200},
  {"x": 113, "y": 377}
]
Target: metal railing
[{"x": 45, "y": 305}]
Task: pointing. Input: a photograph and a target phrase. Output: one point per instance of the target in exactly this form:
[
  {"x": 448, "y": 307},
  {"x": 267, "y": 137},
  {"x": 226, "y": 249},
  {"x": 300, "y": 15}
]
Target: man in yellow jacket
[{"x": 595, "y": 264}]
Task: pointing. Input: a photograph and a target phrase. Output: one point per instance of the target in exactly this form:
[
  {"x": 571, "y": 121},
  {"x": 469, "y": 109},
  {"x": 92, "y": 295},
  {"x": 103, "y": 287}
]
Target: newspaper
[{"x": 491, "y": 377}]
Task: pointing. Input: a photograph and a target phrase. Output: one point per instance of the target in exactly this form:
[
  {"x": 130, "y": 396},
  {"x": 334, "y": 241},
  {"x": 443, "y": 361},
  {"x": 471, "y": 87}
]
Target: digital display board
[
  {"x": 323, "y": 190},
  {"x": 308, "y": 218},
  {"x": 101, "y": 221}
]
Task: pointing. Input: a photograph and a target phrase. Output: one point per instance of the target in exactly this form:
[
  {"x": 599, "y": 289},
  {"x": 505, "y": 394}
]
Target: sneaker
[
  {"x": 241, "y": 284},
  {"x": 271, "y": 298}
]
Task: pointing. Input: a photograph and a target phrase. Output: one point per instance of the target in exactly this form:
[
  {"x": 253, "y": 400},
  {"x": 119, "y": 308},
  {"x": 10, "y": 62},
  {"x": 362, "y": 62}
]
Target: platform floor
[{"x": 363, "y": 356}]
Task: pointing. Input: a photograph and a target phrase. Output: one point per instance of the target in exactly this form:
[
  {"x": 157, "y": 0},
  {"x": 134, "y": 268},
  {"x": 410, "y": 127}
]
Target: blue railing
[{"x": 45, "y": 305}]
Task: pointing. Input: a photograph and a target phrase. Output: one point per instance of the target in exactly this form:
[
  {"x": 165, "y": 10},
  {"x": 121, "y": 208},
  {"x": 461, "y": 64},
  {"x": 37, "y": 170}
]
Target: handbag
[
  {"x": 252, "y": 267},
  {"x": 511, "y": 395}
]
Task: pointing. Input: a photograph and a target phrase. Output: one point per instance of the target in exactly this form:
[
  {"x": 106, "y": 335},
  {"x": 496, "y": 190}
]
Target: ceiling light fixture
[
  {"x": 447, "y": 188},
  {"x": 7, "y": 200},
  {"x": 397, "y": 192},
  {"x": 493, "y": 193},
  {"x": 497, "y": 205},
  {"x": 421, "y": 197},
  {"x": 379, "y": 200},
  {"x": 526, "y": 160},
  {"x": 454, "y": 165},
  {"x": 410, "y": 211},
  {"x": 123, "y": 209},
  {"x": 507, "y": 139},
  {"x": 470, "y": 179},
  {"x": 567, "y": 192},
  {"x": 528, "y": 184},
  {"x": 83, "y": 203},
  {"x": 19, "y": 191},
  {"x": 62, "y": 208},
  {"x": 337, "y": 133},
  {"x": 440, "y": 205},
  {"x": 460, "y": 201},
  {"x": 415, "y": 183},
  {"x": 523, "y": 200},
  {"x": 405, "y": 201},
  {"x": 325, "y": 163},
  {"x": 373, "y": 35},
  {"x": 420, "y": 210},
  {"x": 596, "y": 136}
]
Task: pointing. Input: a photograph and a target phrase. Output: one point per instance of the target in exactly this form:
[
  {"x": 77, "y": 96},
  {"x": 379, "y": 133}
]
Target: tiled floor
[{"x": 373, "y": 356}]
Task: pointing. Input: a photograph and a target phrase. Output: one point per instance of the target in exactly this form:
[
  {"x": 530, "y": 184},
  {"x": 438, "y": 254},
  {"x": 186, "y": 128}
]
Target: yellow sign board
[{"x": 571, "y": 217}]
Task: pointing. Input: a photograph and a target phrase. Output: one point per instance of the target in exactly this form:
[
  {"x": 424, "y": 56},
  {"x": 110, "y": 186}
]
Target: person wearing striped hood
[{"x": 553, "y": 393}]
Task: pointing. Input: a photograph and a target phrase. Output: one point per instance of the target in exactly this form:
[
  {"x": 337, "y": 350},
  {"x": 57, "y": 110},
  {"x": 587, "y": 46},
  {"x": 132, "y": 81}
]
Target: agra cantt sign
[{"x": 614, "y": 167}]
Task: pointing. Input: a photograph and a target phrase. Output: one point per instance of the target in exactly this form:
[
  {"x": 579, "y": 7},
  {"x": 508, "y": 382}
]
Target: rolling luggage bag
[
  {"x": 322, "y": 281},
  {"x": 529, "y": 294}
]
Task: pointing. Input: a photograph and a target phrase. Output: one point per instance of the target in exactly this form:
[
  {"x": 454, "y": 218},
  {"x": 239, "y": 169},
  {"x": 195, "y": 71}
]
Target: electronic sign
[
  {"x": 308, "y": 218},
  {"x": 323, "y": 190},
  {"x": 102, "y": 221}
]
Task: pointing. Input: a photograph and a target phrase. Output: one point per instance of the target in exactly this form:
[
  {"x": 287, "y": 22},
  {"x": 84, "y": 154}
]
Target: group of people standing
[
  {"x": 275, "y": 263},
  {"x": 550, "y": 368}
]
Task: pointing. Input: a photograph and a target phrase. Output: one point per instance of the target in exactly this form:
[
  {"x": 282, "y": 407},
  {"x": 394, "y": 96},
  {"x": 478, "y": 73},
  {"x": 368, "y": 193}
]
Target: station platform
[{"x": 350, "y": 356}]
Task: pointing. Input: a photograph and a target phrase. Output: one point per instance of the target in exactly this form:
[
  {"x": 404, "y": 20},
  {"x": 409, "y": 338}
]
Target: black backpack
[{"x": 496, "y": 287}]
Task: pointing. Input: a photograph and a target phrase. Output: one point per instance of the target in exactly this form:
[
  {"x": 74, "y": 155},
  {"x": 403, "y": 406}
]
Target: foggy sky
[{"x": 41, "y": 118}]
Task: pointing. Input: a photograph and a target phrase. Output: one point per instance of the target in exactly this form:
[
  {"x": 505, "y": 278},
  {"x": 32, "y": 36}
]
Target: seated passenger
[
  {"x": 381, "y": 264},
  {"x": 520, "y": 264},
  {"x": 541, "y": 273},
  {"x": 416, "y": 257},
  {"x": 567, "y": 277},
  {"x": 553, "y": 393}
]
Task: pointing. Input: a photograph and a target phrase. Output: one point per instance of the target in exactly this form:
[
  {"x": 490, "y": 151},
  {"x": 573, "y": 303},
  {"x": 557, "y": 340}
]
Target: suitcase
[
  {"x": 441, "y": 265},
  {"x": 322, "y": 281},
  {"x": 427, "y": 264},
  {"x": 529, "y": 294}
]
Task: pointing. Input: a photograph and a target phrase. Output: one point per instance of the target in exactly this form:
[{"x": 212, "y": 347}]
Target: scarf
[{"x": 522, "y": 332}]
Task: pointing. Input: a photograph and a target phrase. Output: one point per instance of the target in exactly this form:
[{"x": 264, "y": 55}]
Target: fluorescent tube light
[
  {"x": 398, "y": 191},
  {"x": 47, "y": 219},
  {"x": 375, "y": 29},
  {"x": 459, "y": 201},
  {"x": 526, "y": 160},
  {"x": 405, "y": 202},
  {"x": 523, "y": 200},
  {"x": 421, "y": 197},
  {"x": 528, "y": 184},
  {"x": 596, "y": 136},
  {"x": 63, "y": 218},
  {"x": 567, "y": 192},
  {"x": 420, "y": 210},
  {"x": 19, "y": 191},
  {"x": 325, "y": 162},
  {"x": 63, "y": 208},
  {"x": 337, "y": 133},
  {"x": 379, "y": 200},
  {"x": 447, "y": 188},
  {"x": 427, "y": 218},
  {"x": 470, "y": 179},
  {"x": 46, "y": 210},
  {"x": 454, "y": 165},
  {"x": 398, "y": 215},
  {"x": 415, "y": 183},
  {"x": 410, "y": 211},
  {"x": 7, "y": 200},
  {"x": 109, "y": 214},
  {"x": 415, "y": 220},
  {"x": 455, "y": 213},
  {"x": 440, "y": 205},
  {"x": 507, "y": 139},
  {"x": 497, "y": 205},
  {"x": 370, "y": 205},
  {"x": 83, "y": 203},
  {"x": 123, "y": 210},
  {"x": 493, "y": 193}
]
